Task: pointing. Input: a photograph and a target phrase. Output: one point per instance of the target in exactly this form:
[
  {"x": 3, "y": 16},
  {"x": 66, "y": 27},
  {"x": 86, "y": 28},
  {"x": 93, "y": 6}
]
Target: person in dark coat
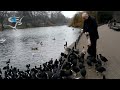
[{"x": 90, "y": 28}]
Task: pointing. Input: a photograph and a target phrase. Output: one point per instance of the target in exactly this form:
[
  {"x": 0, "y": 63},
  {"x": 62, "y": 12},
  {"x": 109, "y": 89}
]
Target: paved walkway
[{"x": 109, "y": 46}]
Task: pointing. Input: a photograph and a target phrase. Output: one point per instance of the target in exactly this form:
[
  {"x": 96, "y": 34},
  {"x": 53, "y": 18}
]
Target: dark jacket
[{"x": 90, "y": 25}]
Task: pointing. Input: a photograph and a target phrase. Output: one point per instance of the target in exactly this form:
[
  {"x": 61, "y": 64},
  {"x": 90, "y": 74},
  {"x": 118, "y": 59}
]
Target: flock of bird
[
  {"x": 76, "y": 64},
  {"x": 67, "y": 67}
]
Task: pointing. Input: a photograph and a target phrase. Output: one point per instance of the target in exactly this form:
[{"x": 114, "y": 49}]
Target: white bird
[
  {"x": 17, "y": 23},
  {"x": 2, "y": 40}
]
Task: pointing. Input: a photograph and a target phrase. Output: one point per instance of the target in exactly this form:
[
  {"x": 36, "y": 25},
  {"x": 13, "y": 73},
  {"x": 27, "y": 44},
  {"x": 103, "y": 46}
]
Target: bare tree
[{"x": 3, "y": 15}]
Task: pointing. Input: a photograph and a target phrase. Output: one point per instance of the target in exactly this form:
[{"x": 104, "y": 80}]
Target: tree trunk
[{"x": 1, "y": 27}]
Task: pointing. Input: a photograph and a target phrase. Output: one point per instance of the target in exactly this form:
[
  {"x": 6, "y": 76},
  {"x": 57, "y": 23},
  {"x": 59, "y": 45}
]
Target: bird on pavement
[{"x": 104, "y": 59}]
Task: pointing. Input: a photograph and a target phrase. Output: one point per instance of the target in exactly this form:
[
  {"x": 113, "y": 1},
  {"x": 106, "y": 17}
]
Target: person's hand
[
  {"x": 86, "y": 33},
  {"x": 89, "y": 42}
]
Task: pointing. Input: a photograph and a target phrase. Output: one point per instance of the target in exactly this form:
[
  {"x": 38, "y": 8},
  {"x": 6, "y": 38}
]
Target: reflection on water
[{"x": 18, "y": 45}]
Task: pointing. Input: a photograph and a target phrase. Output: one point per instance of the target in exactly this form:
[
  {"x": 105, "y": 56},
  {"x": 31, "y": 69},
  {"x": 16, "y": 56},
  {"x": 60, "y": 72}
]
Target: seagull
[
  {"x": 17, "y": 23},
  {"x": 2, "y": 40}
]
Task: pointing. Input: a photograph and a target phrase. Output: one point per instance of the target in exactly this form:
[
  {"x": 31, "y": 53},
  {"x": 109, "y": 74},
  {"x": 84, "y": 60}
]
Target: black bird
[
  {"x": 82, "y": 55},
  {"x": 83, "y": 72},
  {"x": 8, "y": 61},
  {"x": 68, "y": 73},
  {"x": 65, "y": 55},
  {"x": 68, "y": 65},
  {"x": 99, "y": 61},
  {"x": 56, "y": 76},
  {"x": 81, "y": 60},
  {"x": 35, "y": 48},
  {"x": 75, "y": 69},
  {"x": 65, "y": 44},
  {"x": 104, "y": 77},
  {"x": 74, "y": 62},
  {"x": 44, "y": 75},
  {"x": 92, "y": 59},
  {"x": 81, "y": 65},
  {"x": 6, "y": 67},
  {"x": 65, "y": 74},
  {"x": 98, "y": 65},
  {"x": 50, "y": 74},
  {"x": 62, "y": 54},
  {"x": 53, "y": 38},
  {"x": 100, "y": 69},
  {"x": 62, "y": 73},
  {"x": 56, "y": 62},
  {"x": 89, "y": 63},
  {"x": 104, "y": 59}
]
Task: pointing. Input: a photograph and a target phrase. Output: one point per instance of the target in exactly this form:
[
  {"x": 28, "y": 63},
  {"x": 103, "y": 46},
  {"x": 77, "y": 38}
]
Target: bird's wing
[{"x": 10, "y": 26}]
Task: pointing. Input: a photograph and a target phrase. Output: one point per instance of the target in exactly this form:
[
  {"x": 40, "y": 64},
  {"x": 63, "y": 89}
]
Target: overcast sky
[{"x": 69, "y": 14}]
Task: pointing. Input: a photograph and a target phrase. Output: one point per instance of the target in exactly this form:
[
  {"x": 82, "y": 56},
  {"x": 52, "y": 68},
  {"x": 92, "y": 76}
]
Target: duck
[
  {"x": 53, "y": 38},
  {"x": 35, "y": 48},
  {"x": 65, "y": 44},
  {"x": 7, "y": 62},
  {"x": 41, "y": 43}
]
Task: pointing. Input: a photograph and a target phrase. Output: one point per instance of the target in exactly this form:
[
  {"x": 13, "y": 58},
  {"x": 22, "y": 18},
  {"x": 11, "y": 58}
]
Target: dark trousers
[{"x": 92, "y": 49}]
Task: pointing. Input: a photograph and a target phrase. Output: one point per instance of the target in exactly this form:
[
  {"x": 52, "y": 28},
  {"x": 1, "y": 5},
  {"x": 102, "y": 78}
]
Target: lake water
[{"x": 18, "y": 44}]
